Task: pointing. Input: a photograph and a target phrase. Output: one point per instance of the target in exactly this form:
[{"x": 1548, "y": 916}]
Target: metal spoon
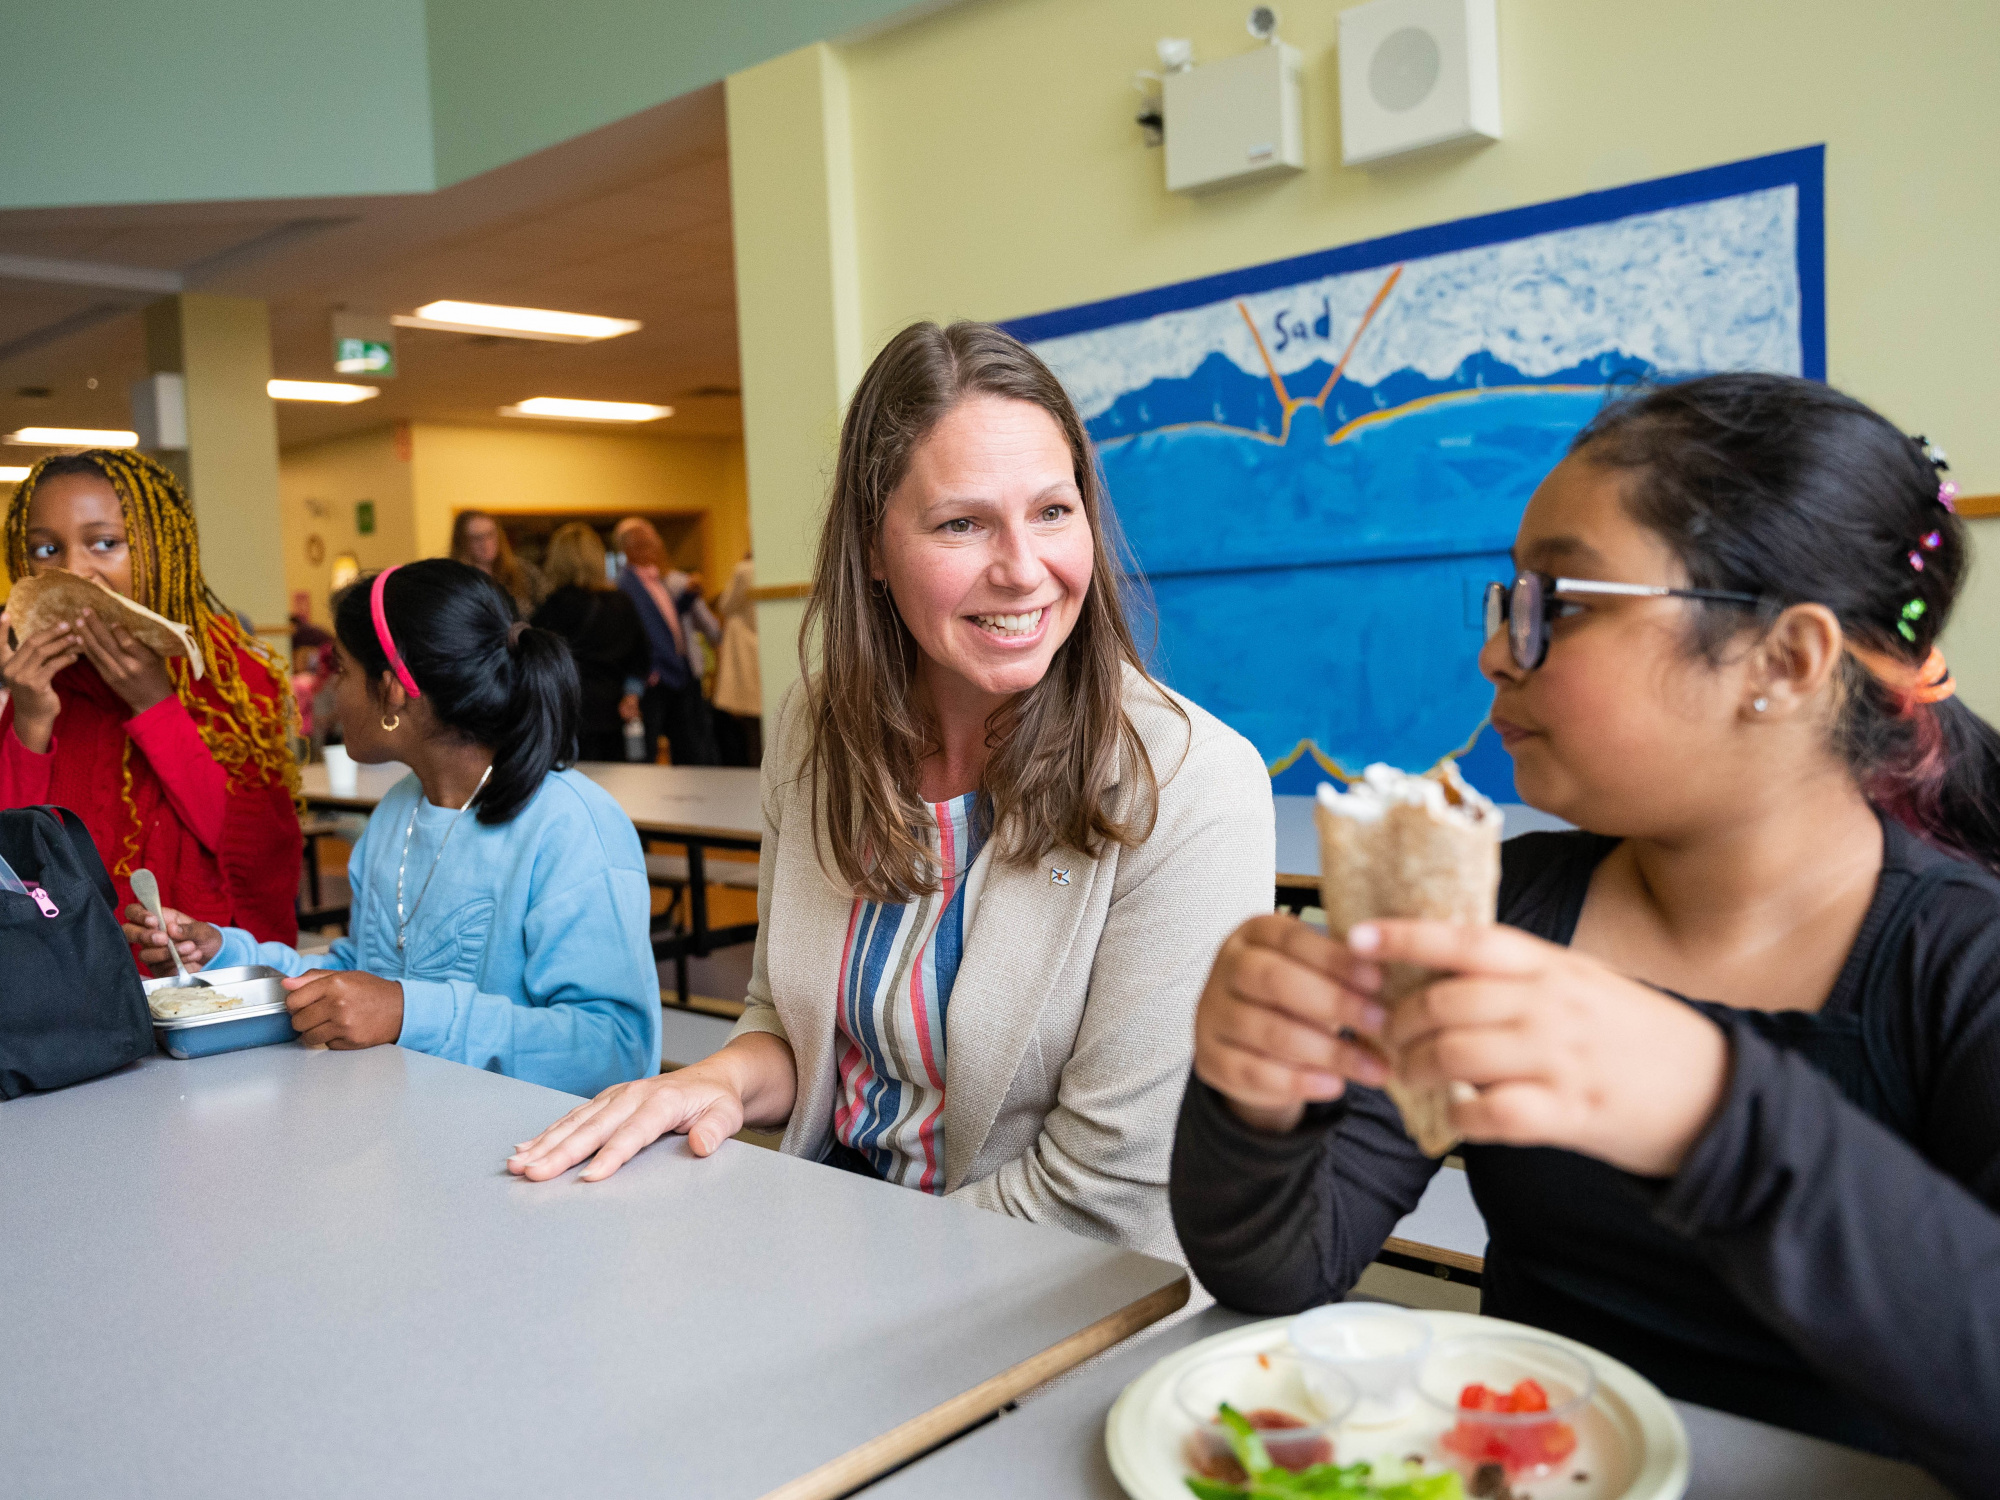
[{"x": 147, "y": 889}]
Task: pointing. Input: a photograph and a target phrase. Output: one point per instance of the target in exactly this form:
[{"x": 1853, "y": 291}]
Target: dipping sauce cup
[
  {"x": 1295, "y": 1420},
  {"x": 1376, "y": 1348}
]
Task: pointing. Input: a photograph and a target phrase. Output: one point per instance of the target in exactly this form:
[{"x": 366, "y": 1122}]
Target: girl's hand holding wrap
[
  {"x": 28, "y": 672},
  {"x": 129, "y": 668},
  {"x": 1559, "y": 1050},
  {"x": 1268, "y": 1031}
]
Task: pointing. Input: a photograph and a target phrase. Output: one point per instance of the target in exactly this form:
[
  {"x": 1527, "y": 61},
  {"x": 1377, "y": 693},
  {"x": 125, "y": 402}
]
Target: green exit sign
[
  {"x": 364, "y": 357},
  {"x": 364, "y": 517}
]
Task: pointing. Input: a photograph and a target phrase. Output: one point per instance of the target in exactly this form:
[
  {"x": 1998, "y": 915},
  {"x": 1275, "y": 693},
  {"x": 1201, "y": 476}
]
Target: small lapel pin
[{"x": 1058, "y": 877}]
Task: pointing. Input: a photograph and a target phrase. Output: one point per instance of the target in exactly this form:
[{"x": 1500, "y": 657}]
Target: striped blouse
[{"x": 896, "y": 975}]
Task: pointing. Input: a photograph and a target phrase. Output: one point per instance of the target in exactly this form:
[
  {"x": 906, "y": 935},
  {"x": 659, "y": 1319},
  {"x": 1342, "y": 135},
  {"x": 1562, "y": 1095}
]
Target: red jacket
[{"x": 228, "y": 854}]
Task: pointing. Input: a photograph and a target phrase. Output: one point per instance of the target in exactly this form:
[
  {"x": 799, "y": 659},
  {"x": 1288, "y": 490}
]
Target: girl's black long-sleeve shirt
[{"x": 1826, "y": 1259}]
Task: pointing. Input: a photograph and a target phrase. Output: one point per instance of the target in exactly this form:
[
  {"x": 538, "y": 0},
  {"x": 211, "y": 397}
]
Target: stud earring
[
  {"x": 1761, "y": 704},
  {"x": 392, "y": 722}
]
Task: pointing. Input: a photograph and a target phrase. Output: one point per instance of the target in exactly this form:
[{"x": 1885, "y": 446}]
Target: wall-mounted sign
[
  {"x": 364, "y": 517},
  {"x": 364, "y": 345}
]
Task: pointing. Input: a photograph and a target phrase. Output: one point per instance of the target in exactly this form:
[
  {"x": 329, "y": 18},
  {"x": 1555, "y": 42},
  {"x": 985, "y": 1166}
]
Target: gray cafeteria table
[
  {"x": 283, "y": 1272},
  {"x": 1052, "y": 1447},
  {"x": 697, "y": 807}
]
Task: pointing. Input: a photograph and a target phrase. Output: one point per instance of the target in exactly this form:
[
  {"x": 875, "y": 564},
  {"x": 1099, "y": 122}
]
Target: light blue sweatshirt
[{"x": 529, "y": 953}]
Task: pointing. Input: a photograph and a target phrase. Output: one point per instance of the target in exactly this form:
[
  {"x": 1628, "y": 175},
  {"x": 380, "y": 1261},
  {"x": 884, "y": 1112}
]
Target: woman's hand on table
[
  {"x": 752, "y": 1078},
  {"x": 28, "y": 672},
  {"x": 1557, "y": 1049},
  {"x": 345, "y": 1009},
  {"x": 198, "y": 941},
  {"x": 1279, "y": 1019},
  {"x": 129, "y": 668}
]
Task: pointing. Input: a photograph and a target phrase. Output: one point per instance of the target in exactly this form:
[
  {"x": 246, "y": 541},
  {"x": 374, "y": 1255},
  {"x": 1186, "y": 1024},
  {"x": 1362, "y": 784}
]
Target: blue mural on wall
[{"x": 1319, "y": 463}]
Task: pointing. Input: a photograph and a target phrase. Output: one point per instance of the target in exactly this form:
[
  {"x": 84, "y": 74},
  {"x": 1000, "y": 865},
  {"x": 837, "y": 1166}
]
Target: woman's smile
[{"x": 1015, "y": 629}]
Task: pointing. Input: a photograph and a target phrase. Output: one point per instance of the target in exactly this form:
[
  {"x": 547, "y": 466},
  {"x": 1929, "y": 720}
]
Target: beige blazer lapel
[
  {"x": 803, "y": 956},
  {"x": 1023, "y": 929}
]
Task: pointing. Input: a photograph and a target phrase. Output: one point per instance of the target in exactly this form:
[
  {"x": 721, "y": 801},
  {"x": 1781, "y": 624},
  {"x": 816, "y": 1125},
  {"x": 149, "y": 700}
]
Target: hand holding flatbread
[
  {"x": 1409, "y": 846},
  {"x": 56, "y": 596}
]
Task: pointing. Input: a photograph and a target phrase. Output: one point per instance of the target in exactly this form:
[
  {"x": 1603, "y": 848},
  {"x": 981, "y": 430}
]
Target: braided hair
[
  {"x": 1787, "y": 489},
  {"x": 250, "y": 737}
]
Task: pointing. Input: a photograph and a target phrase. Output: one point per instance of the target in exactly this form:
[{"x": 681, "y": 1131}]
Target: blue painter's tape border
[{"x": 1803, "y": 169}]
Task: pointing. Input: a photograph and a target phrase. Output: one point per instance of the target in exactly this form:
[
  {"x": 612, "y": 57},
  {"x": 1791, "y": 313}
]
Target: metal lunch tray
[{"x": 260, "y": 1021}]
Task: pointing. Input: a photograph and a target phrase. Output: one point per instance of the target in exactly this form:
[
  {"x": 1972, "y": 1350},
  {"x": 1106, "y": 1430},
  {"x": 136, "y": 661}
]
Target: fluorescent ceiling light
[
  {"x": 12, "y": 475},
  {"x": 320, "y": 390},
  {"x": 72, "y": 437},
  {"x": 516, "y": 322},
  {"x": 586, "y": 411}
]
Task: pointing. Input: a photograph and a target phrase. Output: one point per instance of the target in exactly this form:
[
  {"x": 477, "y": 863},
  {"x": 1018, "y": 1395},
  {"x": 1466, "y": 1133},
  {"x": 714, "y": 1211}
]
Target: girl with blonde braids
[{"x": 193, "y": 780}]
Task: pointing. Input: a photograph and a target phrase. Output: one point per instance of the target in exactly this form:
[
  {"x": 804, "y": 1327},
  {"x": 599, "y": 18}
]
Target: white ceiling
[{"x": 631, "y": 221}]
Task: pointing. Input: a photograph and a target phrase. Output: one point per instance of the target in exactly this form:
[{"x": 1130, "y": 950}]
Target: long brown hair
[
  {"x": 506, "y": 566},
  {"x": 1061, "y": 749}
]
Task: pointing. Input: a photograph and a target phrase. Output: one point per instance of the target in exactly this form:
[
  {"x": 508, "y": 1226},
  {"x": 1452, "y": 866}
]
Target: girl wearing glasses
[{"x": 1734, "y": 1061}]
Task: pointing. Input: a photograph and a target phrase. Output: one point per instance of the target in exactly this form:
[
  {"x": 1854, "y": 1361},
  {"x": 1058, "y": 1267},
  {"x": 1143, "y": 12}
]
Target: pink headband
[{"x": 382, "y": 634}]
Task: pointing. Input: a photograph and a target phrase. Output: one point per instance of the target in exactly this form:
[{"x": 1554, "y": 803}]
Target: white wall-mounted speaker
[{"x": 1416, "y": 74}]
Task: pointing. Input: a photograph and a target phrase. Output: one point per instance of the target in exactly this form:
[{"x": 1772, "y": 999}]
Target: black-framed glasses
[{"x": 1527, "y": 606}]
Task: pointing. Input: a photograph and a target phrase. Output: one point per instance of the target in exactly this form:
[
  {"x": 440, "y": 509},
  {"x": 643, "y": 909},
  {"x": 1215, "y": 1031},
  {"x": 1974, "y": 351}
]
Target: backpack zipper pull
[{"x": 42, "y": 900}]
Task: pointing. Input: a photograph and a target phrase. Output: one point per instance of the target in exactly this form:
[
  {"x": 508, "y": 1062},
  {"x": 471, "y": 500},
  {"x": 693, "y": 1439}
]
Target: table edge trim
[{"x": 946, "y": 1420}]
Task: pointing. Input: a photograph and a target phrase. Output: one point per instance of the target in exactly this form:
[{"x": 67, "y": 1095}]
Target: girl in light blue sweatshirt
[{"x": 500, "y": 907}]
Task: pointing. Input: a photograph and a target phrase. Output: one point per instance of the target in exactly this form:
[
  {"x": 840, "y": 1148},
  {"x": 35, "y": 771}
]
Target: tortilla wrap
[
  {"x": 1398, "y": 845},
  {"x": 60, "y": 597}
]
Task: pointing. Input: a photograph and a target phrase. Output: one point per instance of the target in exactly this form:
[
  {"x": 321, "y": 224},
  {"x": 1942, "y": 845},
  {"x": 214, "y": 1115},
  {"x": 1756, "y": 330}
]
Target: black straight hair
[
  {"x": 497, "y": 682},
  {"x": 1787, "y": 489}
]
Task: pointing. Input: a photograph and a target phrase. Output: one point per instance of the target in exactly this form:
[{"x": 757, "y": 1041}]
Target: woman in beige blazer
[{"x": 976, "y": 659}]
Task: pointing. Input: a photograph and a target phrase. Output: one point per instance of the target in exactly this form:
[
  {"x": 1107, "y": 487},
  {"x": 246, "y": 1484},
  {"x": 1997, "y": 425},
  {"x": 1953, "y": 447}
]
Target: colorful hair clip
[
  {"x": 1917, "y": 561},
  {"x": 1933, "y": 540},
  {"x": 1948, "y": 492},
  {"x": 1912, "y": 611}
]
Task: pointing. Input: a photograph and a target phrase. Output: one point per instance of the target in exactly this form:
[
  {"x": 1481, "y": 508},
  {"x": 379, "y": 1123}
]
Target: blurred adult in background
[
  {"x": 476, "y": 538},
  {"x": 672, "y": 704},
  {"x": 739, "y": 684},
  {"x": 605, "y": 636}
]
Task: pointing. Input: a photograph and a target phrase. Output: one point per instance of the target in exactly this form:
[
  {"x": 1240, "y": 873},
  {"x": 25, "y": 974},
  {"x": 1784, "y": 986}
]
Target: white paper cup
[{"x": 342, "y": 775}]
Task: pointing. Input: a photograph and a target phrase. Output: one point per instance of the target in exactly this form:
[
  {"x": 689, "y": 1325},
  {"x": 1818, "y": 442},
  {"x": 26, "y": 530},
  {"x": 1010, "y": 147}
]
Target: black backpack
[{"x": 70, "y": 1003}]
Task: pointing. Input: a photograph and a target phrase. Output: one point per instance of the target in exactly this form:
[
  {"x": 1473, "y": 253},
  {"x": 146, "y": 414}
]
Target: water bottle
[{"x": 635, "y": 740}]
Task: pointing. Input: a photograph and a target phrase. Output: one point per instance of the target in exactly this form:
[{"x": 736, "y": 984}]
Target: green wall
[
  {"x": 169, "y": 101},
  {"x": 166, "y": 101}
]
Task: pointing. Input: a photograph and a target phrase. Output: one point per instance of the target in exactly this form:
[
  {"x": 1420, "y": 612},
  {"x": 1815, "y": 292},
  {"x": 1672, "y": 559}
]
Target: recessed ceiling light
[
  {"x": 320, "y": 390},
  {"x": 72, "y": 437},
  {"x": 586, "y": 411},
  {"x": 519, "y": 322},
  {"x": 12, "y": 475}
]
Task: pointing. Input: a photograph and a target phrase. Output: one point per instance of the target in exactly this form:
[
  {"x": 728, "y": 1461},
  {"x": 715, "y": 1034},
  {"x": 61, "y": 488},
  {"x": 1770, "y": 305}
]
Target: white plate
[{"x": 1630, "y": 1441}]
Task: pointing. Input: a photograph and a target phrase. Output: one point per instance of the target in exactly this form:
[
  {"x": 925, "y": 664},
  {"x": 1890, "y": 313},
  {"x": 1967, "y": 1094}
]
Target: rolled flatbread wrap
[
  {"x": 1397, "y": 845},
  {"x": 58, "y": 596}
]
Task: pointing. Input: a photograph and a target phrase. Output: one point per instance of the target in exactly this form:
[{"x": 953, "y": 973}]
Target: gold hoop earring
[{"x": 392, "y": 722}]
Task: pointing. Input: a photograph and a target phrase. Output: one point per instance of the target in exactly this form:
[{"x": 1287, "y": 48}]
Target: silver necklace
[{"x": 403, "y": 922}]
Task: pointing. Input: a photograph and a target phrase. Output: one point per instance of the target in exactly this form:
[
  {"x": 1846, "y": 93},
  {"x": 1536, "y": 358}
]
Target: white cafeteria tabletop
[
  {"x": 1052, "y": 1447},
  {"x": 308, "y": 1273},
  {"x": 718, "y": 802},
  {"x": 1445, "y": 1226}
]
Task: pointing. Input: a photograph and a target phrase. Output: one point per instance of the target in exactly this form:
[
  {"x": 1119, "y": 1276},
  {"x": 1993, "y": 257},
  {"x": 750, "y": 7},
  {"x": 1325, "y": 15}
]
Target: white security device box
[
  {"x": 1234, "y": 120},
  {"x": 1416, "y": 74}
]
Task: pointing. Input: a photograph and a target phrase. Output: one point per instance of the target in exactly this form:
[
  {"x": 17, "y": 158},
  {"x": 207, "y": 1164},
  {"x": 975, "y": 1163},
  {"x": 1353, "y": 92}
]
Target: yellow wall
[
  {"x": 496, "y": 469},
  {"x": 319, "y": 485},
  {"x": 996, "y": 171},
  {"x": 466, "y": 468}
]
